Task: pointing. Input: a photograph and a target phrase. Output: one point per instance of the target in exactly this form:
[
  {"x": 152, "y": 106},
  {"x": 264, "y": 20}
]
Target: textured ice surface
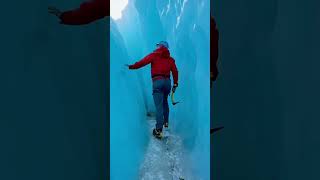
[
  {"x": 185, "y": 25},
  {"x": 164, "y": 158}
]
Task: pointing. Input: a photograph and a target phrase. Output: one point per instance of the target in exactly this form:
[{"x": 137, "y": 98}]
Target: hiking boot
[
  {"x": 157, "y": 133},
  {"x": 166, "y": 125}
]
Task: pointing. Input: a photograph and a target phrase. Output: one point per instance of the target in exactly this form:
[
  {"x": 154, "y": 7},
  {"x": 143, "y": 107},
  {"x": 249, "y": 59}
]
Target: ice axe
[
  {"x": 172, "y": 96},
  {"x": 172, "y": 99}
]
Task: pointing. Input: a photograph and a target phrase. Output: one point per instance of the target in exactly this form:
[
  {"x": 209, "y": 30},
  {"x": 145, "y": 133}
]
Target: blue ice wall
[
  {"x": 185, "y": 25},
  {"x": 267, "y": 94},
  {"x": 53, "y": 94},
  {"x": 127, "y": 113}
]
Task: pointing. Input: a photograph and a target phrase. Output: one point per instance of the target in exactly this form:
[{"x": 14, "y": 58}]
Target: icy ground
[{"x": 164, "y": 159}]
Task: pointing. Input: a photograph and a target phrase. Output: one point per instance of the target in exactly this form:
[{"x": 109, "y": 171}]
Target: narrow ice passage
[{"x": 134, "y": 153}]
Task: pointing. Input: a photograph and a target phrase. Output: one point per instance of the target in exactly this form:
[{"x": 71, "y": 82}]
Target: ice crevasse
[{"x": 185, "y": 25}]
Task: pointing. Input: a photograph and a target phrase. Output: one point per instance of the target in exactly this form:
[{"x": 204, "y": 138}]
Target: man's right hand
[
  {"x": 55, "y": 11},
  {"x": 174, "y": 88},
  {"x": 127, "y": 65}
]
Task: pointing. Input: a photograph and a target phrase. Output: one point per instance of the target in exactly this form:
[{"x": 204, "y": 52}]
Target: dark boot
[{"x": 157, "y": 133}]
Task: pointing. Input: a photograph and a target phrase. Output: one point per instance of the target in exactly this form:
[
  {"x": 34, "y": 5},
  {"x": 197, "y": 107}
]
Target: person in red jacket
[
  {"x": 88, "y": 12},
  {"x": 161, "y": 66}
]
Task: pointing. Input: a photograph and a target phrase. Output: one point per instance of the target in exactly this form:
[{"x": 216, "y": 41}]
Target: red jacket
[
  {"x": 88, "y": 11},
  {"x": 161, "y": 64},
  {"x": 214, "y": 37}
]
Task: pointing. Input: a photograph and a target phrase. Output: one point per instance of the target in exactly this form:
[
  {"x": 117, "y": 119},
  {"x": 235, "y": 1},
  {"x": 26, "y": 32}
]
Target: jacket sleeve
[
  {"x": 174, "y": 71},
  {"x": 146, "y": 60},
  {"x": 88, "y": 12}
]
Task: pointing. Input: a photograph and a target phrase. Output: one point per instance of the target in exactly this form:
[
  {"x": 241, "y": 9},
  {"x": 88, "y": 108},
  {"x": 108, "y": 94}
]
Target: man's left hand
[{"x": 174, "y": 88}]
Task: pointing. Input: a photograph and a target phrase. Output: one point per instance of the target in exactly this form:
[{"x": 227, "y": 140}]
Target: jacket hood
[{"x": 163, "y": 52}]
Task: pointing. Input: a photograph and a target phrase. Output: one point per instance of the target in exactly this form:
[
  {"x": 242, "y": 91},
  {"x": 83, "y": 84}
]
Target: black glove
[{"x": 174, "y": 88}]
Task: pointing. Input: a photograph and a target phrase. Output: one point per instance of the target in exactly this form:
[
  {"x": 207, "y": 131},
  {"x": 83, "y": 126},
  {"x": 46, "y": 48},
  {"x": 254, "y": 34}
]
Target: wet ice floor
[{"x": 164, "y": 158}]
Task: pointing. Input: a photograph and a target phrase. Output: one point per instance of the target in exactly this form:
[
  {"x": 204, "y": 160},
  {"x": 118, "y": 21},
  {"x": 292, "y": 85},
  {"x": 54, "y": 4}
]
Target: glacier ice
[{"x": 185, "y": 25}]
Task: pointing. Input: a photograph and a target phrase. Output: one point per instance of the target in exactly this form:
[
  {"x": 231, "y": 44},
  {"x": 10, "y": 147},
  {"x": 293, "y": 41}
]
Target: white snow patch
[
  {"x": 161, "y": 12},
  {"x": 168, "y": 7},
  {"x": 181, "y": 12}
]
